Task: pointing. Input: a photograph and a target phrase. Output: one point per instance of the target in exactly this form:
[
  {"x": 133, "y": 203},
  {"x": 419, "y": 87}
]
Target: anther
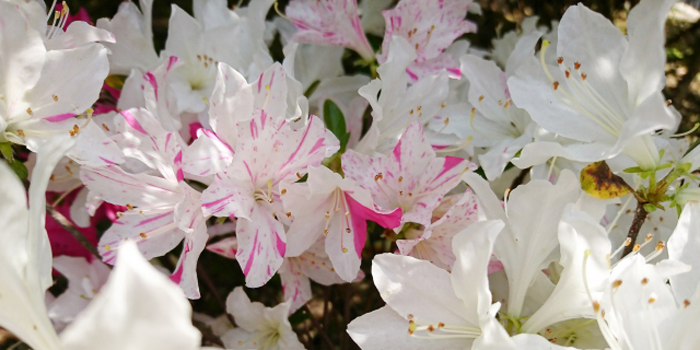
[
  {"x": 400, "y": 178},
  {"x": 55, "y": 98},
  {"x": 617, "y": 283},
  {"x": 560, "y": 60},
  {"x": 143, "y": 235},
  {"x": 686, "y": 303},
  {"x": 645, "y": 281},
  {"x": 636, "y": 247},
  {"x": 284, "y": 191},
  {"x": 577, "y": 65},
  {"x": 129, "y": 206},
  {"x": 345, "y": 250},
  {"x": 596, "y": 306},
  {"x": 668, "y": 102},
  {"x": 29, "y": 110},
  {"x": 555, "y": 85},
  {"x": 481, "y": 98},
  {"x": 584, "y": 76}
]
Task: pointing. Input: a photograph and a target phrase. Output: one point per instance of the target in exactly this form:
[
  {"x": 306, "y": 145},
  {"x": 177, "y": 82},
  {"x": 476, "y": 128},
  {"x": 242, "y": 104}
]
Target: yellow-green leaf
[{"x": 599, "y": 181}]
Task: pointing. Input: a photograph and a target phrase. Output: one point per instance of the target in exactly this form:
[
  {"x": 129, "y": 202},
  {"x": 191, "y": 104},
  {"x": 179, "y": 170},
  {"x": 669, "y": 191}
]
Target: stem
[
  {"x": 68, "y": 226},
  {"x": 639, "y": 216}
]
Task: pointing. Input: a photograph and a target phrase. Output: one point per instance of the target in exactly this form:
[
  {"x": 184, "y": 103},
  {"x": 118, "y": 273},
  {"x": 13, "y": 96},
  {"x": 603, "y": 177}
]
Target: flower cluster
[{"x": 532, "y": 196}]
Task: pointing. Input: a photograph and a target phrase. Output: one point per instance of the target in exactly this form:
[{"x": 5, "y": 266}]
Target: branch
[
  {"x": 205, "y": 276},
  {"x": 639, "y": 216},
  {"x": 68, "y": 226}
]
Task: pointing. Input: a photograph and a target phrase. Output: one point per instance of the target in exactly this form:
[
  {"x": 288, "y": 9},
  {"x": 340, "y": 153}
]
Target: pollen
[
  {"x": 637, "y": 247},
  {"x": 20, "y": 132},
  {"x": 143, "y": 235},
  {"x": 68, "y": 169},
  {"x": 441, "y": 325},
  {"x": 560, "y": 60},
  {"x": 648, "y": 237},
  {"x": 108, "y": 247},
  {"x": 651, "y": 300},
  {"x": 55, "y": 98},
  {"x": 555, "y": 85},
  {"x": 628, "y": 241},
  {"x": 378, "y": 177},
  {"x": 568, "y": 73},
  {"x": 645, "y": 281},
  {"x": 668, "y": 102},
  {"x": 686, "y": 303},
  {"x": 345, "y": 250},
  {"x": 129, "y": 206},
  {"x": 584, "y": 76},
  {"x": 328, "y": 215},
  {"x": 431, "y": 328},
  {"x": 325, "y": 232},
  {"x": 105, "y": 126},
  {"x": 348, "y": 230},
  {"x": 443, "y": 105},
  {"x": 29, "y": 110},
  {"x": 577, "y": 65},
  {"x": 284, "y": 191},
  {"x": 596, "y": 306},
  {"x": 289, "y": 214},
  {"x": 481, "y": 98},
  {"x": 660, "y": 245},
  {"x": 400, "y": 178},
  {"x": 299, "y": 175},
  {"x": 410, "y": 316}
]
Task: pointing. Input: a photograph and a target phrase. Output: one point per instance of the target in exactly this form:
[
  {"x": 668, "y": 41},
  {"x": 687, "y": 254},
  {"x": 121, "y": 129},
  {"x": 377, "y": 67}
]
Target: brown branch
[
  {"x": 68, "y": 226},
  {"x": 207, "y": 280},
  {"x": 318, "y": 326},
  {"x": 520, "y": 178},
  {"x": 207, "y": 334},
  {"x": 639, "y": 216}
]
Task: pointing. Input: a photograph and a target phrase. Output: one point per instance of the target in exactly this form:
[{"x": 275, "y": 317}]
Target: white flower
[
  {"x": 259, "y": 327},
  {"x": 606, "y": 88}
]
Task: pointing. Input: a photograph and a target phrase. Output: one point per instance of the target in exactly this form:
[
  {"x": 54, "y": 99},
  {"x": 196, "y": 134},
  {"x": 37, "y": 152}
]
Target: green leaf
[
  {"x": 310, "y": 90},
  {"x": 649, "y": 207},
  {"x": 633, "y": 170},
  {"x": 19, "y": 169},
  {"x": 335, "y": 122},
  {"x": 6, "y": 149}
]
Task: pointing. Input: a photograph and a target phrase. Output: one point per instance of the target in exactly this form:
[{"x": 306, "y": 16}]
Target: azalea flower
[
  {"x": 268, "y": 153},
  {"x": 296, "y": 272},
  {"x": 434, "y": 242},
  {"x": 329, "y": 22},
  {"x": 85, "y": 279},
  {"x": 500, "y": 125},
  {"x": 430, "y": 27},
  {"x": 44, "y": 90},
  {"x": 25, "y": 255},
  {"x": 399, "y": 104},
  {"x": 161, "y": 210},
  {"x": 605, "y": 90},
  {"x": 427, "y": 307},
  {"x": 411, "y": 177},
  {"x": 258, "y": 326},
  {"x": 336, "y": 208}
]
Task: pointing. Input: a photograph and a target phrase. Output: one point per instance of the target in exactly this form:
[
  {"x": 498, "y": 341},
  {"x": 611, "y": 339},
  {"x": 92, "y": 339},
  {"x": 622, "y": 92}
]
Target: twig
[
  {"x": 207, "y": 333},
  {"x": 68, "y": 226},
  {"x": 520, "y": 178},
  {"x": 326, "y": 305},
  {"x": 318, "y": 326},
  {"x": 639, "y": 216},
  {"x": 205, "y": 276}
]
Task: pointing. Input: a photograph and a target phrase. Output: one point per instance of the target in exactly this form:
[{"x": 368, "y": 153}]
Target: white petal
[
  {"x": 683, "y": 246},
  {"x": 138, "y": 308}
]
